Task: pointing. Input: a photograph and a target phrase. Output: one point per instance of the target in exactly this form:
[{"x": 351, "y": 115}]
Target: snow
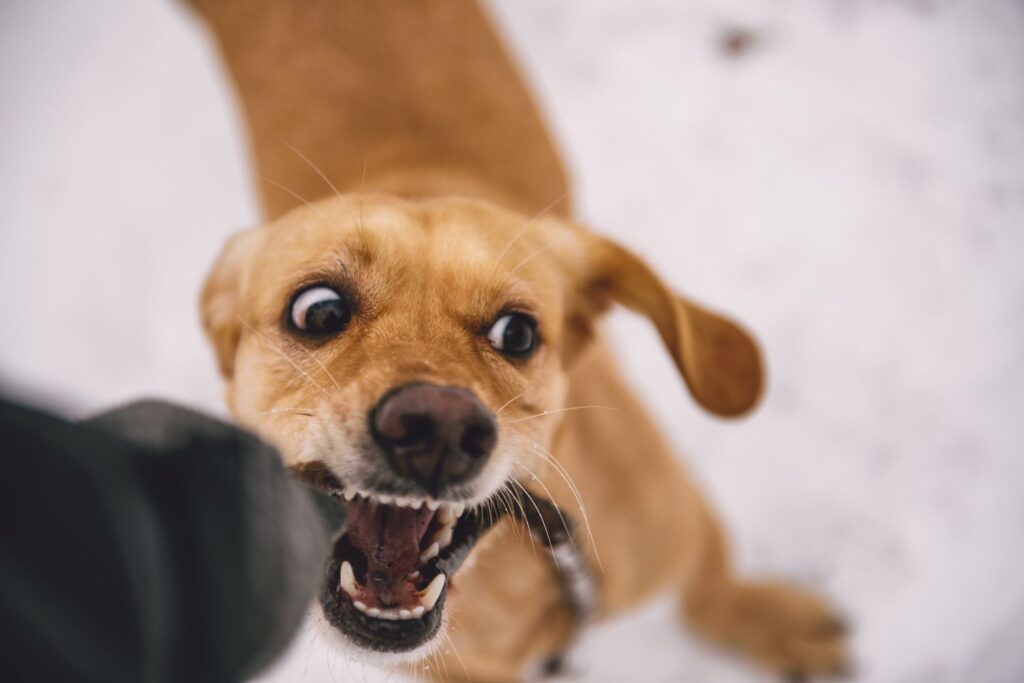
[{"x": 851, "y": 186}]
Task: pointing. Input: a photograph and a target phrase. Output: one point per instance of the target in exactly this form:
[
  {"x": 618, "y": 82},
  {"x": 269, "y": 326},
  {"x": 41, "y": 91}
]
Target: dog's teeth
[
  {"x": 432, "y": 592},
  {"x": 413, "y": 575},
  {"x": 349, "y": 494},
  {"x": 446, "y": 515},
  {"x": 443, "y": 538},
  {"x": 373, "y": 612},
  {"x": 433, "y": 504},
  {"x": 405, "y": 614},
  {"x": 416, "y": 504},
  {"x": 360, "y": 606},
  {"x": 418, "y": 611},
  {"x": 430, "y": 552},
  {"x": 384, "y": 500},
  {"x": 348, "y": 579},
  {"x": 449, "y": 514}
]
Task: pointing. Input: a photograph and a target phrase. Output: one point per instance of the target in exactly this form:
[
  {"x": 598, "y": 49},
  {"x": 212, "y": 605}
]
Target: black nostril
[
  {"x": 434, "y": 435},
  {"x": 417, "y": 431},
  {"x": 478, "y": 440}
]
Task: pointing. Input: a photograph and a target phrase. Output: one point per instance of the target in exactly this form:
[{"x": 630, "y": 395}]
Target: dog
[{"x": 420, "y": 317}]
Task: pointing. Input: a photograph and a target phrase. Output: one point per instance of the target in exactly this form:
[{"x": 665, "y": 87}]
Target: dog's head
[{"x": 420, "y": 351}]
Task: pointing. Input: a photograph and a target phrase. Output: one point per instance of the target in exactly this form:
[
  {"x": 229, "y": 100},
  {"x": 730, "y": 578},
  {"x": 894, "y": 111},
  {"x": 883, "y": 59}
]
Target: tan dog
[{"x": 429, "y": 332}]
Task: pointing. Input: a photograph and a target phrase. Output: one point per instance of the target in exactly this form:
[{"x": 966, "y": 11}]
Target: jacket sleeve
[{"x": 150, "y": 544}]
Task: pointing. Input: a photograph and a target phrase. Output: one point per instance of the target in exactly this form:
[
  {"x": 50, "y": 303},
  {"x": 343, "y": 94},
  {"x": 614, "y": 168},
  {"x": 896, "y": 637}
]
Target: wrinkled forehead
[{"x": 460, "y": 253}]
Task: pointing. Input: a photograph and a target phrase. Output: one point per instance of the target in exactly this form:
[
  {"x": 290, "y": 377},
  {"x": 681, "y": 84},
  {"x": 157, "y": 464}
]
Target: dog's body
[{"x": 417, "y": 100}]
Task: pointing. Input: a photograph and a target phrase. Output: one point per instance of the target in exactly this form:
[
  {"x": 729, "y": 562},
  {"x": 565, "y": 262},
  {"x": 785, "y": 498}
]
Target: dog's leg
[{"x": 783, "y": 627}]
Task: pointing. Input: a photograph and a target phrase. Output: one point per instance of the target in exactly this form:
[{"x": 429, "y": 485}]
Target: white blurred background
[{"x": 845, "y": 176}]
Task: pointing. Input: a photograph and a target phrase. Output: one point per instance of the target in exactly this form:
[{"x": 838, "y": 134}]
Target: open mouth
[{"x": 389, "y": 574}]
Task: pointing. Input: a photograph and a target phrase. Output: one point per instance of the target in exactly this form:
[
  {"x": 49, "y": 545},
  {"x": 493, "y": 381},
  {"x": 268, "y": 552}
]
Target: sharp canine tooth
[
  {"x": 459, "y": 508},
  {"x": 349, "y": 494},
  {"x": 359, "y": 606},
  {"x": 348, "y": 579},
  {"x": 444, "y": 537},
  {"x": 433, "y": 504},
  {"x": 433, "y": 592},
  {"x": 446, "y": 515},
  {"x": 418, "y": 611},
  {"x": 430, "y": 552}
]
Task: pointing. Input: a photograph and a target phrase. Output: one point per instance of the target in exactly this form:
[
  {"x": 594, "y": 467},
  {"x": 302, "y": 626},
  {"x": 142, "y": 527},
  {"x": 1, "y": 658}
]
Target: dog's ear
[
  {"x": 222, "y": 293},
  {"x": 719, "y": 360}
]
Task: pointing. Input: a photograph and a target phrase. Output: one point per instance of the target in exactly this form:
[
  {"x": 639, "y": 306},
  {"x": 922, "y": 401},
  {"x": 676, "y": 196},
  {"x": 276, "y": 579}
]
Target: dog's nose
[{"x": 434, "y": 435}]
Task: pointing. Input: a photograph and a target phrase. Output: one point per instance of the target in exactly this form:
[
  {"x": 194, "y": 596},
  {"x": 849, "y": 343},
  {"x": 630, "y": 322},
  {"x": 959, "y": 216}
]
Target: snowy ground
[{"x": 852, "y": 186}]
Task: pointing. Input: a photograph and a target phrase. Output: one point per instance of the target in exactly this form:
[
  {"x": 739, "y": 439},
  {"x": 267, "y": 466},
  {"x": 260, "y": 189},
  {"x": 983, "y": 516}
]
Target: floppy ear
[
  {"x": 222, "y": 293},
  {"x": 720, "y": 362}
]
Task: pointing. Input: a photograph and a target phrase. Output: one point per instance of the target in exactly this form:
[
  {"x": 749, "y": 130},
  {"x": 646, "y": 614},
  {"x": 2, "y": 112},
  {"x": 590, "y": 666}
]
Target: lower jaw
[
  {"x": 376, "y": 634},
  {"x": 399, "y": 635}
]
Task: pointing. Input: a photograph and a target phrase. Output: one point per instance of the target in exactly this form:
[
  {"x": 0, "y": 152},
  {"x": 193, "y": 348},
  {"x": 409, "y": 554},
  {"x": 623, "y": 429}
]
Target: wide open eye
[
  {"x": 320, "y": 311},
  {"x": 514, "y": 334}
]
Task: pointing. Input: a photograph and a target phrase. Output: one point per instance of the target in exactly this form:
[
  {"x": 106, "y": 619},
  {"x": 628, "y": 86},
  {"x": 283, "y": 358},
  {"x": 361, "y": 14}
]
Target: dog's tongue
[{"x": 390, "y": 539}]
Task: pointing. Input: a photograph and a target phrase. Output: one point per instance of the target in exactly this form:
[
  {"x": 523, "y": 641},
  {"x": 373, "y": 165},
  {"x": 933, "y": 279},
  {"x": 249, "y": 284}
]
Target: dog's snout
[{"x": 434, "y": 435}]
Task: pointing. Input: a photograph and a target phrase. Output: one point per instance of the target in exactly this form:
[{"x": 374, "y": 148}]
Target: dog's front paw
[{"x": 786, "y": 629}]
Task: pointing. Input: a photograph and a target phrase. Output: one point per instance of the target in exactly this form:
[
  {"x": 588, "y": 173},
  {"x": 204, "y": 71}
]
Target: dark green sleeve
[{"x": 151, "y": 544}]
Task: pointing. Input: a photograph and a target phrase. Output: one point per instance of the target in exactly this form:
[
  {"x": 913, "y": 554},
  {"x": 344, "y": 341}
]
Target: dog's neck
[{"x": 411, "y": 98}]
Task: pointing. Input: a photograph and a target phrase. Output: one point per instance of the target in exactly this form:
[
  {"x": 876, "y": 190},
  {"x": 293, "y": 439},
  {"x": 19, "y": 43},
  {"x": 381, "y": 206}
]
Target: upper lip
[{"x": 348, "y": 493}]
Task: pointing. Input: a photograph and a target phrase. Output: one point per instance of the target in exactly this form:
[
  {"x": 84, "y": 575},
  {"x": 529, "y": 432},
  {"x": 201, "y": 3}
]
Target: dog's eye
[
  {"x": 320, "y": 311},
  {"x": 514, "y": 334}
]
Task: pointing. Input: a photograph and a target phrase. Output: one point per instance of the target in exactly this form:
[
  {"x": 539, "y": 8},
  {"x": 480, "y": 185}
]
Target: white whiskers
[
  {"x": 319, "y": 364},
  {"x": 509, "y": 402},
  {"x": 289, "y": 411},
  {"x": 313, "y": 166},
  {"x": 561, "y": 410},
  {"x": 562, "y": 472},
  {"x": 300, "y": 198},
  {"x": 540, "y": 516},
  {"x": 284, "y": 355},
  {"x": 526, "y": 225}
]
